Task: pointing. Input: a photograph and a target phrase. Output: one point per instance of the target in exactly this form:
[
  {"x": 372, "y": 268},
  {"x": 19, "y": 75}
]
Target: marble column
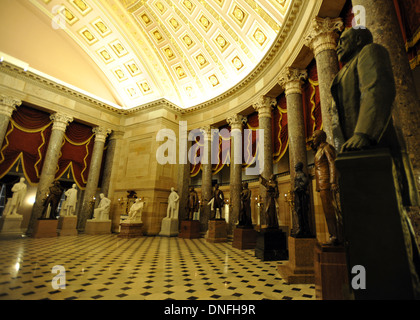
[
  {"x": 206, "y": 183},
  {"x": 291, "y": 80},
  {"x": 264, "y": 105},
  {"x": 7, "y": 106},
  {"x": 236, "y": 123},
  {"x": 382, "y": 21},
  {"x": 322, "y": 40},
  {"x": 110, "y": 155},
  {"x": 49, "y": 167},
  {"x": 93, "y": 177}
]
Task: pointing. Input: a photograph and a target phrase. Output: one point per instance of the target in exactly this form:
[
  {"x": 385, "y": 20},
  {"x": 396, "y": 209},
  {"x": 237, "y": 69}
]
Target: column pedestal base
[
  {"x": 131, "y": 230},
  {"x": 271, "y": 245},
  {"x": 300, "y": 267},
  {"x": 67, "y": 226},
  {"x": 98, "y": 226},
  {"x": 169, "y": 227},
  {"x": 190, "y": 229},
  {"x": 45, "y": 228},
  {"x": 244, "y": 238},
  {"x": 217, "y": 231}
]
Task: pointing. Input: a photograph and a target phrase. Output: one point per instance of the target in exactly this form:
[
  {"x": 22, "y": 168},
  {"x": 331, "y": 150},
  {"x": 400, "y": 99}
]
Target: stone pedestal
[
  {"x": 244, "y": 238},
  {"x": 331, "y": 277},
  {"x": 10, "y": 225},
  {"x": 67, "y": 226},
  {"x": 217, "y": 231},
  {"x": 271, "y": 245},
  {"x": 98, "y": 226},
  {"x": 169, "y": 227},
  {"x": 131, "y": 230},
  {"x": 190, "y": 229},
  {"x": 45, "y": 228},
  {"x": 376, "y": 226},
  {"x": 300, "y": 267}
]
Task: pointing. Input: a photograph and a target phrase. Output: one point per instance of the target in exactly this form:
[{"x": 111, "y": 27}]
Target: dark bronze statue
[
  {"x": 53, "y": 199},
  {"x": 192, "y": 205},
  {"x": 245, "y": 219},
  {"x": 272, "y": 195},
  {"x": 327, "y": 184},
  {"x": 219, "y": 201},
  {"x": 302, "y": 200}
]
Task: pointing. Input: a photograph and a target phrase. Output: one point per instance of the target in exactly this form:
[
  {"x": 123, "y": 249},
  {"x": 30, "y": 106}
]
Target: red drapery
[{"x": 26, "y": 140}]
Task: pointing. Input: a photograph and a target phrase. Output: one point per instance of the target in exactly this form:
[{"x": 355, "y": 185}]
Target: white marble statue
[
  {"x": 136, "y": 210},
  {"x": 173, "y": 205},
  {"x": 102, "y": 211},
  {"x": 69, "y": 205},
  {"x": 13, "y": 204}
]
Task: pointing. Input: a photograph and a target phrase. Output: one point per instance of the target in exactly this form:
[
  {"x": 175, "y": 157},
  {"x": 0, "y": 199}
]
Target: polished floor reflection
[{"x": 151, "y": 268}]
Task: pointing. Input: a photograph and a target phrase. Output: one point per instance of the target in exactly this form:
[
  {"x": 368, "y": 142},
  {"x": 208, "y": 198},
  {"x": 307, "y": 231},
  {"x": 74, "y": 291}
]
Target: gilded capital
[
  {"x": 323, "y": 34},
  {"x": 291, "y": 80},
  {"x": 8, "y": 105},
  {"x": 264, "y": 106},
  {"x": 101, "y": 133},
  {"x": 61, "y": 121},
  {"x": 236, "y": 121}
]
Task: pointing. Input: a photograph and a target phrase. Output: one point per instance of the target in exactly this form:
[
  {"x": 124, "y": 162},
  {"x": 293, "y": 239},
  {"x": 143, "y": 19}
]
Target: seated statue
[
  {"x": 102, "y": 211},
  {"x": 136, "y": 210}
]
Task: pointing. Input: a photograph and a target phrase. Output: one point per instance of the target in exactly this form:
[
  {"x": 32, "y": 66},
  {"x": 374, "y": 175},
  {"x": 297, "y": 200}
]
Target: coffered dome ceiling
[{"x": 186, "y": 51}]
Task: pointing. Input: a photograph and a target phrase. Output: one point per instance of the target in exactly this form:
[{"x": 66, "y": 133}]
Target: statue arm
[{"x": 331, "y": 155}]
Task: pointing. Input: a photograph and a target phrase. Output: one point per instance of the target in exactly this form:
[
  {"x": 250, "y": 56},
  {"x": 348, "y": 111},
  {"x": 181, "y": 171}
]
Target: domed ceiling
[{"x": 186, "y": 51}]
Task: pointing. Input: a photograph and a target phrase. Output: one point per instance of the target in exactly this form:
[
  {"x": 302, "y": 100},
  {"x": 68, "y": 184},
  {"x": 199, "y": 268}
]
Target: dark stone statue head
[
  {"x": 298, "y": 166},
  {"x": 351, "y": 42},
  {"x": 245, "y": 185},
  {"x": 318, "y": 137}
]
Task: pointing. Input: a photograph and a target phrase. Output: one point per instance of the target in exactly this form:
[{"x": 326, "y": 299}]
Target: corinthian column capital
[
  {"x": 236, "y": 121},
  {"x": 264, "y": 106},
  {"x": 101, "y": 133},
  {"x": 61, "y": 121},
  {"x": 291, "y": 80},
  {"x": 8, "y": 105},
  {"x": 323, "y": 34}
]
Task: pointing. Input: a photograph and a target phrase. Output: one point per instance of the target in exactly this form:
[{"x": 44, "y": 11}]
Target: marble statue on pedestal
[
  {"x": 173, "y": 205},
  {"x": 102, "y": 211},
  {"x": 69, "y": 205},
  {"x": 136, "y": 211},
  {"x": 218, "y": 202},
  {"x": 52, "y": 200},
  {"x": 19, "y": 192}
]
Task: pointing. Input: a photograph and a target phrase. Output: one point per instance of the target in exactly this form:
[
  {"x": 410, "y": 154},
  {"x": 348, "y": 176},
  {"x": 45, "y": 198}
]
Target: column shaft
[
  {"x": 206, "y": 185},
  {"x": 110, "y": 155}
]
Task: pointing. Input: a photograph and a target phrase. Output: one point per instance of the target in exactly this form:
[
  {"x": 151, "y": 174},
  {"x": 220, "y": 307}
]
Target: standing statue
[
  {"x": 327, "y": 184},
  {"x": 136, "y": 211},
  {"x": 192, "y": 205},
  {"x": 19, "y": 192},
  {"x": 272, "y": 194},
  {"x": 245, "y": 219},
  {"x": 102, "y": 211},
  {"x": 301, "y": 200},
  {"x": 69, "y": 205},
  {"x": 363, "y": 93},
  {"x": 52, "y": 200},
  {"x": 173, "y": 205},
  {"x": 218, "y": 201}
]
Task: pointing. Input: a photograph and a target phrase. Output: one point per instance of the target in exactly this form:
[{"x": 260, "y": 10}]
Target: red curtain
[
  {"x": 76, "y": 153},
  {"x": 26, "y": 140}
]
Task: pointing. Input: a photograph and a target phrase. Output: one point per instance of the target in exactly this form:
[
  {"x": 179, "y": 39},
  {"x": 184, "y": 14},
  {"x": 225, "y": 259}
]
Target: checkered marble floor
[{"x": 147, "y": 268}]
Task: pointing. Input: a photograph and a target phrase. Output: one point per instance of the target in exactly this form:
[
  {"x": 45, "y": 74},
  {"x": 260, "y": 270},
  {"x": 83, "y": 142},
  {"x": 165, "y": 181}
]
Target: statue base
[
  {"x": 169, "y": 227},
  {"x": 217, "y": 231},
  {"x": 190, "y": 229},
  {"x": 244, "y": 238},
  {"x": 376, "y": 226},
  {"x": 331, "y": 279},
  {"x": 131, "y": 230},
  {"x": 271, "y": 245},
  {"x": 98, "y": 226},
  {"x": 10, "y": 225},
  {"x": 300, "y": 267},
  {"x": 45, "y": 228},
  {"x": 67, "y": 226}
]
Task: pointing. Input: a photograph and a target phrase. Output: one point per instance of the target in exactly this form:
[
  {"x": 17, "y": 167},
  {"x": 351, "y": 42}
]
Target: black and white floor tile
[{"x": 147, "y": 268}]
